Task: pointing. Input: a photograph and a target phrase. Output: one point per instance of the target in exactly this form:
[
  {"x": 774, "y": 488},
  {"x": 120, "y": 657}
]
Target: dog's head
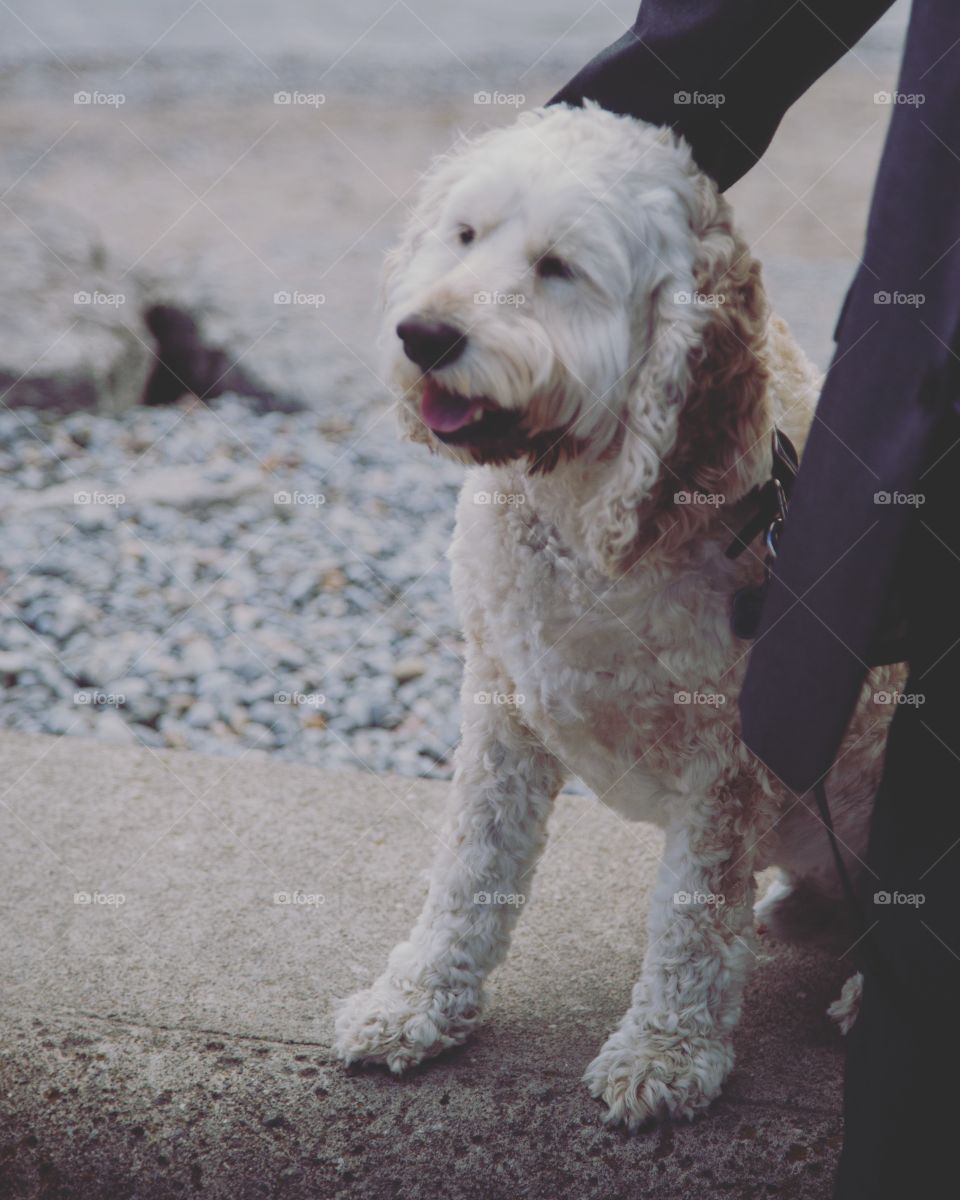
[{"x": 572, "y": 287}]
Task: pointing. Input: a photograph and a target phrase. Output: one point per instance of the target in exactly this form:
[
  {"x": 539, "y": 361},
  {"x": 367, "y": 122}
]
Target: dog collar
[{"x": 770, "y": 501}]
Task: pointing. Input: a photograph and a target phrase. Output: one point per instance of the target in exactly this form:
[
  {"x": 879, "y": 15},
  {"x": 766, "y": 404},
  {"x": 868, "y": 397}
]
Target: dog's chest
[{"x": 599, "y": 668}]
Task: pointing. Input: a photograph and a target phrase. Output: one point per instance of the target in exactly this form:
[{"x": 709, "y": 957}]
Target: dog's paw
[
  {"x": 647, "y": 1075},
  {"x": 398, "y": 1024},
  {"x": 846, "y": 1008}
]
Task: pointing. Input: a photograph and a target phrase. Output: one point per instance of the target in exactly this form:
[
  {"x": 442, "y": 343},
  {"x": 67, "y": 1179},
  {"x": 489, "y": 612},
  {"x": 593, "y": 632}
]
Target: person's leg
[{"x": 902, "y": 1098}]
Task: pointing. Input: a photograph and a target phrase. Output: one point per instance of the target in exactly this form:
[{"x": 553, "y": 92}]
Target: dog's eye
[
  {"x": 466, "y": 235},
  {"x": 552, "y": 267}
]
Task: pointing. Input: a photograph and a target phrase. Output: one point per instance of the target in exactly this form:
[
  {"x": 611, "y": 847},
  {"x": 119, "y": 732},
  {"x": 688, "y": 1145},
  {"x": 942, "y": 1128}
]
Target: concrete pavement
[{"x": 175, "y": 1042}]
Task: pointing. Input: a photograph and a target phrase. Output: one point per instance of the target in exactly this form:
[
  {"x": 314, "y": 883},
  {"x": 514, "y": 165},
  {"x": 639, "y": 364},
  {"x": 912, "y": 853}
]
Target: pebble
[{"x": 408, "y": 669}]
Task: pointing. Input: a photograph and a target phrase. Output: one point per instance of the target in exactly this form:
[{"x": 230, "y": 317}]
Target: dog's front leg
[
  {"x": 431, "y": 993},
  {"x": 673, "y": 1050}
]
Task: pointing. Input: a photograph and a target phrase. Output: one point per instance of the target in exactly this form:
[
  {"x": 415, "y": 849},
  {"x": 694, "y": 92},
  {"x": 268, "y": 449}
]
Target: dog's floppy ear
[
  {"x": 697, "y": 414},
  {"x": 723, "y": 444},
  {"x": 618, "y": 516}
]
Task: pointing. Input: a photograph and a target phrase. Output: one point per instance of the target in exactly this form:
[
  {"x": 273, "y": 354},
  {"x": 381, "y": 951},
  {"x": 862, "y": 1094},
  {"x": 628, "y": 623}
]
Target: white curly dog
[{"x": 573, "y": 315}]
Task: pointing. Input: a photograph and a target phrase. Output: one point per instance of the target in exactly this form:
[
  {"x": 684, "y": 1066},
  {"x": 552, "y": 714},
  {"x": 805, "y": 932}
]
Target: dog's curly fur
[{"x": 643, "y": 380}]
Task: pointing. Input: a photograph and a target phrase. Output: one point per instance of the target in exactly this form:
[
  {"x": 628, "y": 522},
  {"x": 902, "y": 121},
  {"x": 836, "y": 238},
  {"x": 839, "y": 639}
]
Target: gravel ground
[{"x": 218, "y": 580}]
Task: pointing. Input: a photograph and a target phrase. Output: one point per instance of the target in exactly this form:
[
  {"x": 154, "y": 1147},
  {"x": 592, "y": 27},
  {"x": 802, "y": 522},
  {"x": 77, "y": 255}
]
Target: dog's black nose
[{"x": 431, "y": 344}]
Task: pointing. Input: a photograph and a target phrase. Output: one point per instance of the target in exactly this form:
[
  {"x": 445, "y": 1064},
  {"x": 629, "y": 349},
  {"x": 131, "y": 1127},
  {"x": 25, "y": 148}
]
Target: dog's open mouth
[{"x": 460, "y": 420}]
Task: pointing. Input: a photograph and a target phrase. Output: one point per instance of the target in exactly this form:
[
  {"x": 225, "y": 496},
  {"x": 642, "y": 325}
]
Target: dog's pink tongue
[{"x": 445, "y": 412}]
